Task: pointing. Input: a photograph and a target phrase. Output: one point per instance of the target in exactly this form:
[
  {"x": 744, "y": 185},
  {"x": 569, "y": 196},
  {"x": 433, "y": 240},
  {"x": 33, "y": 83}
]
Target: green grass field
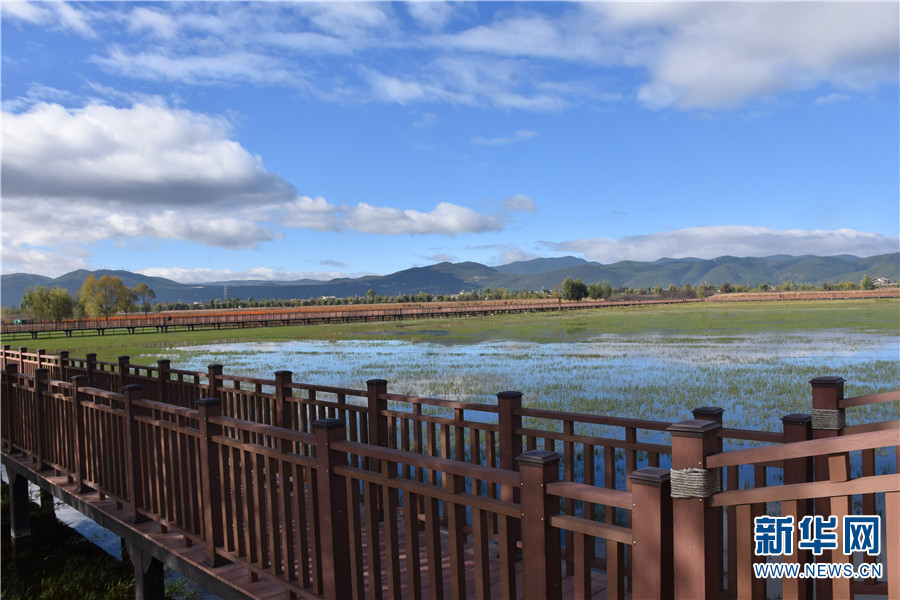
[{"x": 880, "y": 316}]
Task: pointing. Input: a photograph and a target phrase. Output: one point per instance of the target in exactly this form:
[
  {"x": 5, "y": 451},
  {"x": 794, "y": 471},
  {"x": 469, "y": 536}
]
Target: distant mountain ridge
[{"x": 541, "y": 273}]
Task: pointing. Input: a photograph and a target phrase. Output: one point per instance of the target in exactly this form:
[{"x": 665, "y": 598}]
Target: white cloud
[
  {"x": 54, "y": 15},
  {"x": 224, "y": 67},
  {"x": 519, "y": 202},
  {"x": 445, "y": 219},
  {"x": 517, "y": 136},
  {"x": 78, "y": 177},
  {"x": 720, "y": 55},
  {"x": 432, "y": 15},
  {"x": 183, "y": 275},
  {"x": 143, "y": 155},
  {"x": 730, "y": 240}
]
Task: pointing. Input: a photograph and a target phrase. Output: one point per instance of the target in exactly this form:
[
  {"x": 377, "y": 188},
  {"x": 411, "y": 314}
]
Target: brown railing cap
[
  {"x": 655, "y": 476},
  {"x": 328, "y": 424},
  {"x": 693, "y": 428},
  {"x": 538, "y": 457},
  {"x": 796, "y": 419},
  {"x": 828, "y": 380}
]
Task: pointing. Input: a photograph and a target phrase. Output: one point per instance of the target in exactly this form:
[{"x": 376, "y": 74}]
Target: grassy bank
[{"x": 718, "y": 319}]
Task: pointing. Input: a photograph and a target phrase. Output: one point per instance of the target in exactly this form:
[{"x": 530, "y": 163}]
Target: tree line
[
  {"x": 108, "y": 295},
  {"x": 97, "y": 298}
]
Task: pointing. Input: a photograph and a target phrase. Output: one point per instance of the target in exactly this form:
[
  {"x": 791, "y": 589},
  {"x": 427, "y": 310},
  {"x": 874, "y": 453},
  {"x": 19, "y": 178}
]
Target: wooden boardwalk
[
  {"x": 235, "y": 581},
  {"x": 269, "y": 488}
]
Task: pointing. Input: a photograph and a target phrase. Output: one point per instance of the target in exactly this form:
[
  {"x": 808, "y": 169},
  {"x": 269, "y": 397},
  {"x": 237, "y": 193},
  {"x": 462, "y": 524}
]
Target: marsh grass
[
  {"x": 715, "y": 319},
  {"x": 654, "y": 362}
]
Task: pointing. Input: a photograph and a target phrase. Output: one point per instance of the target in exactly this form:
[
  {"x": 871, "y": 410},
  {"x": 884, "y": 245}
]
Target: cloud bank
[
  {"x": 531, "y": 56},
  {"x": 151, "y": 172},
  {"x": 729, "y": 240}
]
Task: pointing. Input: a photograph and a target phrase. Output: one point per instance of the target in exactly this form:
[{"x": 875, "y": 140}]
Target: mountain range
[{"x": 542, "y": 273}]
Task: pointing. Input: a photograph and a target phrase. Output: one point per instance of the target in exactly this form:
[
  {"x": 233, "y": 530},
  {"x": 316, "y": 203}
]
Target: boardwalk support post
[
  {"x": 19, "y": 507},
  {"x": 210, "y": 480},
  {"x": 149, "y": 575},
  {"x": 696, "y": 525},
  {"x": 652, "y": 531},
  {"x": 541, "y": 552},
  {"x": 333, "y": 510}
]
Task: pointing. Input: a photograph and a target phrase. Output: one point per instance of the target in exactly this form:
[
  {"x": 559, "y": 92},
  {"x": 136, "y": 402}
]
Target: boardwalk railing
[{"x": 361, "y": 493}]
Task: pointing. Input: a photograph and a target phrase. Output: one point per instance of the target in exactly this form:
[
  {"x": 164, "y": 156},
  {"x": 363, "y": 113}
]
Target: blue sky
[{"x": 206, "y": 141}]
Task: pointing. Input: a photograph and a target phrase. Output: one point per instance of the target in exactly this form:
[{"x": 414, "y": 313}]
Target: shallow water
[{"x": 756, "y": 379}]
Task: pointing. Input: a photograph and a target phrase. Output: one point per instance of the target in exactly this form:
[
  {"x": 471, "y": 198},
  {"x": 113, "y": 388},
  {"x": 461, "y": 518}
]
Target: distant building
[{"x": 881, "y": 281}]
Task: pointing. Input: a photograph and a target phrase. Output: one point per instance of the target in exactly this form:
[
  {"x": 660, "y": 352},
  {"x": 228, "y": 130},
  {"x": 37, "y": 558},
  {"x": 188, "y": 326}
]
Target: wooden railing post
[
  {"x": 63, "y": 374},
  {"x": 696, "y": 525},
  {"x": 164, "y": 379},
  {"x": 211, "y": 480},
  {"x": 23, "y": 350},
  {"x": 11, "y": 370},
  {"x": 215, "y": 374},
  {"x": 378, "y": 429},
  {"x": 797, "y": 428},
  {"x": 283, "y": 405},
  {"x": 123, "y": 367},
  {"x": 652, "y": 531},
  {"x": 40, "y": 386},
  {"x": 134, "y": 475},
  {"x": 510, "y": 442},
  {"x": 333, "y": 510},
  {"x": 80, "y": 449},
  {"x": 541, "y": 552},
  {"x": 90, "y": 365}
]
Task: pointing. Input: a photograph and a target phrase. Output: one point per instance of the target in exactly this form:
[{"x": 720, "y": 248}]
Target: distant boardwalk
[
  {"x": 192, "y": 320},
  {"x": 271, "y": 488}
]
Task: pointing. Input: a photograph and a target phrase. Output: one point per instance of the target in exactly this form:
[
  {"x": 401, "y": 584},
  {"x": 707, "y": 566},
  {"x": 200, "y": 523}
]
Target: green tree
[
  {"x": 598, "y": 290},
  {"x": 866, "y": 283},
  {"x": 146, "y": 295},
  {"x": 103, "y": 297},
  {"x": 573, "y": 289},
  {"x": 45, "y": 304}
]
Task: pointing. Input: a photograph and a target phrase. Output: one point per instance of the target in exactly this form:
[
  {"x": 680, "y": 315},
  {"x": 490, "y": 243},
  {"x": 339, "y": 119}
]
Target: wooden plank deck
[{"x": 233, "y": 580}]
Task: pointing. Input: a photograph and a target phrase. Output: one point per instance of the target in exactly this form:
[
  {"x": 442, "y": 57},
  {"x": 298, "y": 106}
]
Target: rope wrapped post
[
  {"x": 652, "y": 530},
  {"x": 696, "y": 525},
  {"x": 827, "y": 422},
  {"x": 796, "y": 428}
]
